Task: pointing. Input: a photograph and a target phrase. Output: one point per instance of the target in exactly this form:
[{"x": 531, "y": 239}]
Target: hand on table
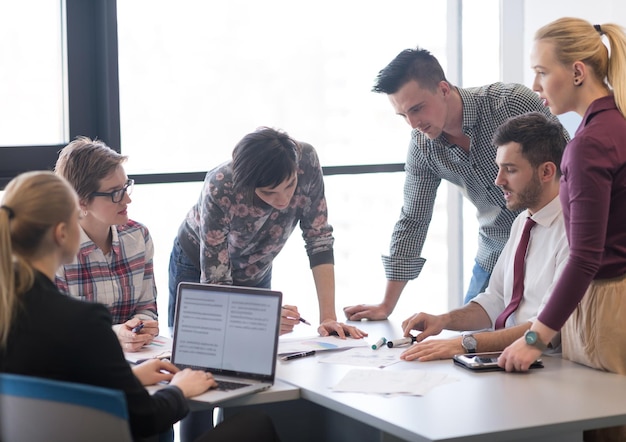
[
  {"x": 131, "y": 341},
  {"x": 518, "y": 356},
  {"x": 433, "y": 350},
  {"x": 330, "y": 326},
  {"x": 377, "y": 312}
]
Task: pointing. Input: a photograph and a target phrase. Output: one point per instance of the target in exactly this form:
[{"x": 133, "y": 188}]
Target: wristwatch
[
  {"x": 532, "y": 338},
  {"x": 468, "y": 342}
]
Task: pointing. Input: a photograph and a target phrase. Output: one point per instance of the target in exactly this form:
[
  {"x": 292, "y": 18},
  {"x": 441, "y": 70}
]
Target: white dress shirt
[{"x": 546, "y": 255}]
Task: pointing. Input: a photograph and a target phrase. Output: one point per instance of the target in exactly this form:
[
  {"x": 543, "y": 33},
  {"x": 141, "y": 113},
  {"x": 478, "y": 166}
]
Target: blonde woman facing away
[{"x": 41, "y": 329}]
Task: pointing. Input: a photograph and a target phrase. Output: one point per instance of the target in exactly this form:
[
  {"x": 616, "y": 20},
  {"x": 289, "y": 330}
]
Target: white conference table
[{"x": 555, "y": 403}]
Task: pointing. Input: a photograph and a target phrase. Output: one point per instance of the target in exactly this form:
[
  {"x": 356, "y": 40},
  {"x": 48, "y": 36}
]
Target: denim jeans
[
  {"x": 478, "y": 283},
  {"x": 181, "y": 269}
]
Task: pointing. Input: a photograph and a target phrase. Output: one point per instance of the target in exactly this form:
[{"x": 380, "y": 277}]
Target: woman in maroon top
[{"x": 574, "y": 72}]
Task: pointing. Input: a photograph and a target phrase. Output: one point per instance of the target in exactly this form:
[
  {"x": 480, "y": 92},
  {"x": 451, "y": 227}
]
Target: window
[
  {"x": 32, "y": 79},
  {"x": 196, "y": 76}
]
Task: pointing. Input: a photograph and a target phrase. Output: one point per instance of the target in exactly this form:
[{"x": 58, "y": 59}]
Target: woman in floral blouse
[{"x": 247, "y": 210}]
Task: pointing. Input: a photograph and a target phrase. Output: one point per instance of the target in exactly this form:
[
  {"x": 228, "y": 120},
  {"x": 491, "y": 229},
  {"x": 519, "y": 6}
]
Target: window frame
[{"x": 94, "y": 109}]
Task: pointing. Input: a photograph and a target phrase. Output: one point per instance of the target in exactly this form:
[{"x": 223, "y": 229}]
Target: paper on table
[
  {"x": 365, "y": 357},
  {"x": 317, "y": 343},
  {"x": 407, "y": 382},
  {"x": 160, "y": 347}
]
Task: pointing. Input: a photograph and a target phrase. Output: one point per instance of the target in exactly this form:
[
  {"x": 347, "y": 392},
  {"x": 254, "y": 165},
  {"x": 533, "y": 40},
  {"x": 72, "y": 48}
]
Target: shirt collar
[
  {"x": 597, "y": 106},
  {"x": 87, "y": 245},
  {"x": 548, "y": 213},
  {"x": 470, "y": 109}
]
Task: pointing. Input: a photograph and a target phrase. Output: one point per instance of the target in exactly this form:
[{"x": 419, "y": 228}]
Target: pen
[
  {"x": 137, "y": 328},
  {"x": 162, "y": 358},
  {"x": 401, "y": 341},
  {"x": 301, "y": 319},
  {"x": 379, "y": 343},
  {"x": 303, "y": 354}
]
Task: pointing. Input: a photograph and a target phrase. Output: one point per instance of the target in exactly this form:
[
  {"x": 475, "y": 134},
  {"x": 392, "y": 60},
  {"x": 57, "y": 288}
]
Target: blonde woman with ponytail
[
  {"x": 46, "y": 334},
  {"x": 581, "y": 67}
]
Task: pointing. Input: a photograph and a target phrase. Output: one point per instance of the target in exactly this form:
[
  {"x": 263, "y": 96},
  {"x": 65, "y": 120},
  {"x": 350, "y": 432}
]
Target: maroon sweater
[{"x": 593, "y": 196}]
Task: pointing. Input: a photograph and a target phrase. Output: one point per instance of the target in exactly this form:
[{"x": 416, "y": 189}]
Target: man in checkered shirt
[{"x": 452, "y": 140}]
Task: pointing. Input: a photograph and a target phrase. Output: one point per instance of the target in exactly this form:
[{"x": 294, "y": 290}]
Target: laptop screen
[{"x": 227, "y": 329}]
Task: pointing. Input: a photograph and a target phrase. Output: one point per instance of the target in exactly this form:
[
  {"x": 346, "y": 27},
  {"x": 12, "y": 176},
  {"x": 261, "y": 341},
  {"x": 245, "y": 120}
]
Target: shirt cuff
[
  {"x": 402, "y": 269},
  {"x": 326, "y": 257}
]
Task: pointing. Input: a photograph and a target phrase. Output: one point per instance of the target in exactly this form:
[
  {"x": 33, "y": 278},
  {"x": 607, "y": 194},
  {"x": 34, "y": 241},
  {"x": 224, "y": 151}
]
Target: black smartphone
[{"x": 485, "y": 361}]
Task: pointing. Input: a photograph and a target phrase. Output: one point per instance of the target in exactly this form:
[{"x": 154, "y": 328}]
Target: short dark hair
[
  {"x": 411, "y": 64},
  {"x": 541, "y": 139},
  {"x": 264, "y": 158}
]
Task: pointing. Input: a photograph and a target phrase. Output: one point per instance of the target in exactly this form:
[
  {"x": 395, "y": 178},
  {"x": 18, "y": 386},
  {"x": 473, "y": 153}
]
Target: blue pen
[{"x": 137, "y": 328}]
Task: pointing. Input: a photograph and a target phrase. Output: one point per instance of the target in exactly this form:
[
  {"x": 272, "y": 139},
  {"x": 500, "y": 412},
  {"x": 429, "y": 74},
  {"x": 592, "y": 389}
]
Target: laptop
[{"x": 229, "y": 331}]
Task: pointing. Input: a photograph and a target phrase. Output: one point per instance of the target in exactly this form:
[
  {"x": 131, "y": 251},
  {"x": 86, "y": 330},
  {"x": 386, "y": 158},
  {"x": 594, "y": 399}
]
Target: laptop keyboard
[{"x": 227, "y": 385}]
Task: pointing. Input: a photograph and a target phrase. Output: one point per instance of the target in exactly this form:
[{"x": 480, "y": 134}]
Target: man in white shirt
[{"x": 528, "y": 159}]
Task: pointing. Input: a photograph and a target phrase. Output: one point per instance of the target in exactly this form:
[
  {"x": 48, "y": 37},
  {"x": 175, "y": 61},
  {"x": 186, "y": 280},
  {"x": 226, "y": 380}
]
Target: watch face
[
  {"x": 531, "y": 337},
  {"x": 469, "y": 343}
]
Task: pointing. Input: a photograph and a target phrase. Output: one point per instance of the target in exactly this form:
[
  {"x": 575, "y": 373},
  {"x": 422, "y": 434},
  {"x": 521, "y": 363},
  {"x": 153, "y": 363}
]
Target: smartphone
[{"x": 485, "y": 361}]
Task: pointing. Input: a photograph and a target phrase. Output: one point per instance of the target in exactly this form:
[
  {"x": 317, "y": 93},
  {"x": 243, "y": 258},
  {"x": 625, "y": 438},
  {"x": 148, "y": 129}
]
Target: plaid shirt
[
  {"x": 124, "y": 281},
  {"x": 429, "y": 161}
]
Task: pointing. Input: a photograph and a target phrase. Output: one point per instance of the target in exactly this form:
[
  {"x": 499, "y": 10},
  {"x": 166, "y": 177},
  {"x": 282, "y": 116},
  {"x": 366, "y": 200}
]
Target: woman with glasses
[
  {"x": 114, "y": 262},
  {"x": 40, "y": 329}
]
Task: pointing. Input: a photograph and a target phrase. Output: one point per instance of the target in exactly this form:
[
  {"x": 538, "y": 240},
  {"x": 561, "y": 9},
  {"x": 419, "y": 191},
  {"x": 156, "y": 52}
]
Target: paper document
[
  {"x": 392, "y": 382},
  {"x": 365, "y": 357},
  {"x": 160, "y": 347},
  {"x": 317, "y": 343}
]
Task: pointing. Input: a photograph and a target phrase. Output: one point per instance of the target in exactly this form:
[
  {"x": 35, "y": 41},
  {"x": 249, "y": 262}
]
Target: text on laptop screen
[{"x": 226, "y": 331}]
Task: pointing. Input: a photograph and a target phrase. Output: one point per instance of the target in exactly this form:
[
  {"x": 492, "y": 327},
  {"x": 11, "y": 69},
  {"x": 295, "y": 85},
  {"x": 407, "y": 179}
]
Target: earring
[
  {"x": 578, "y": 82},
  {"x": 85, "y": 213}
]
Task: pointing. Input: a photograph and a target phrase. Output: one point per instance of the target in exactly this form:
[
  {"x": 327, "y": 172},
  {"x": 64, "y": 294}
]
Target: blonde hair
[
  {"x": 33, "y": 203},
  {"x": 576, "y": 39},
  {"x": 85, "y": 162}
]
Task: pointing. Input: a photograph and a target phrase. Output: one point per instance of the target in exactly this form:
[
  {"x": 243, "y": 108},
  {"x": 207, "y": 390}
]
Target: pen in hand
[
  {"x": 137, "y": 328},
  {"x": 301, "y": 319}
]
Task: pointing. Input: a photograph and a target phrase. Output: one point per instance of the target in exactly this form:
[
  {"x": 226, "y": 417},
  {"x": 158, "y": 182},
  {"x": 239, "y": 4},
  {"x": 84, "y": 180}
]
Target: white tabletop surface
[{"x": 560, "y": 398}]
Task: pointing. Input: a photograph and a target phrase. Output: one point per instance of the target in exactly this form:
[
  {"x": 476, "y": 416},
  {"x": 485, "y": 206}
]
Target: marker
[
  {"x": 303, "y": 354},
  {"x": 379, "y": 343},
  {"x": 137, "y": 328},
  {"x": 401, "y": 341}
]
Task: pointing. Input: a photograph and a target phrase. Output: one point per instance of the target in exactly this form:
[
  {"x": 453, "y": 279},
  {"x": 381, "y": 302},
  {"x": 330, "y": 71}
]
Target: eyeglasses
[{"x": 117, "y": 195}]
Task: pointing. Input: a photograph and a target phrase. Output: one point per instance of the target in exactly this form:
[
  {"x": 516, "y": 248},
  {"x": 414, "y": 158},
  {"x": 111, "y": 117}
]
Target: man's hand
[
  {"x": 428, "y": 325},
  {"x": 377, "y": 312},
  {"x": 433, "y": 349}
]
